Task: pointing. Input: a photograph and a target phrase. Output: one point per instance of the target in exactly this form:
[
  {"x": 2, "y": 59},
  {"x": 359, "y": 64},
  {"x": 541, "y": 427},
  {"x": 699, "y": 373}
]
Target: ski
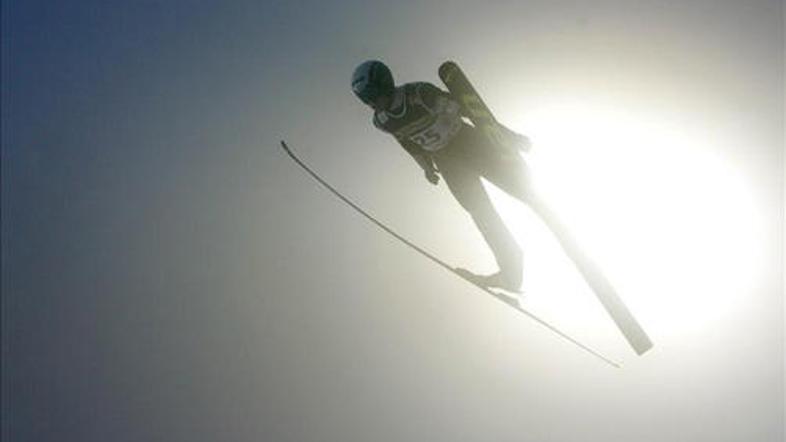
[
  {"x": 476, "y": 109},
  {"x": 481, "y": 116},
  {"x": 507, "y": 300}
]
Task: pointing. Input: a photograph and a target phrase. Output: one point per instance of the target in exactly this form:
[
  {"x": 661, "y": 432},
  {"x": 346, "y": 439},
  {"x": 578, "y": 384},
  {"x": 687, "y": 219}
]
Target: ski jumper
[{"x": 427, "y": 123}]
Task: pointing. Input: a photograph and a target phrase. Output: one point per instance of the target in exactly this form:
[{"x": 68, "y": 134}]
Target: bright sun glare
[{"x": 671, "y": 224}]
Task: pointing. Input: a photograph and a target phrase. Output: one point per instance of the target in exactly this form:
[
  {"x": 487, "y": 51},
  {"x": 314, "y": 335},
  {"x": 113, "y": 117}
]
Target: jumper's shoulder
[
  {"x": 423, "y": 87},
  {"x": 424, "y": 92}
]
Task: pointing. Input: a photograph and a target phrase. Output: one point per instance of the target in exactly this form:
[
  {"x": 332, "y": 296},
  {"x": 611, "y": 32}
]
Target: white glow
[{"x": 671, "y": 224}]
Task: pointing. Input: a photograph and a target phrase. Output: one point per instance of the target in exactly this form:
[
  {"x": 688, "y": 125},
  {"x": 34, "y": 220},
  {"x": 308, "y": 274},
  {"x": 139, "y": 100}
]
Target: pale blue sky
[{"x": 168, "y": 275}]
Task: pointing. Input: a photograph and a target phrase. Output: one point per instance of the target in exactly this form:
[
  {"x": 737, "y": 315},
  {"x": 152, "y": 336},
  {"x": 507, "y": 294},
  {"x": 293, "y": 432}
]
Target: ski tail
[
  {"x": 460, "y": 87},
  {"x": 474, "y": 108}
]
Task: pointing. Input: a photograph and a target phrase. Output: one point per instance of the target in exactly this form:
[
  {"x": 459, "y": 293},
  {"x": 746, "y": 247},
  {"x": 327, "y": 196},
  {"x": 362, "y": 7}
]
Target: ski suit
[{"x": 426, "y": 121}]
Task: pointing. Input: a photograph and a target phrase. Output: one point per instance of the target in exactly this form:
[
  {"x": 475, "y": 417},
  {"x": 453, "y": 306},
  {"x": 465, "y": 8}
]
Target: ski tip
[{"x": 641, "y": 348}]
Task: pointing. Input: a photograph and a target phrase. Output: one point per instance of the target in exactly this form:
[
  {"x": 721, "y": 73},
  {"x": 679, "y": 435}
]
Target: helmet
[{"x": 372, "y": 79}]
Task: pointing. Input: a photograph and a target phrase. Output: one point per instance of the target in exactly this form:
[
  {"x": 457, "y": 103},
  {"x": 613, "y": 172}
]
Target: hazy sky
[{"x": 169, "y": 275}]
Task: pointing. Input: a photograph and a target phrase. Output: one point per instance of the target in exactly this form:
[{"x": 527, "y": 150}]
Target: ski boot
[{"x": 498, "y": 280}]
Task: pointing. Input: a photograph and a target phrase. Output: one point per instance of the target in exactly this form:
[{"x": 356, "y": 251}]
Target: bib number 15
[{"x": 428, "y": 137}]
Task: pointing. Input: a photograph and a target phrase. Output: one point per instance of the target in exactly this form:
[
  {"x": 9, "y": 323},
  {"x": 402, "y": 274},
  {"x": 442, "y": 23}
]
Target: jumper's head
[{"x": 372, "y": 83}]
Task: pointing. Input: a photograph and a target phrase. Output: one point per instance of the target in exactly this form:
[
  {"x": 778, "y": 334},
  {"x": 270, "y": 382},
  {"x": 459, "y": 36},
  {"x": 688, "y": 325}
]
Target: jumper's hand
[
  {"x": 431, "y": 176},
  {"x": 513, "y": 139},
  {"x": 522, "y": 142}
]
